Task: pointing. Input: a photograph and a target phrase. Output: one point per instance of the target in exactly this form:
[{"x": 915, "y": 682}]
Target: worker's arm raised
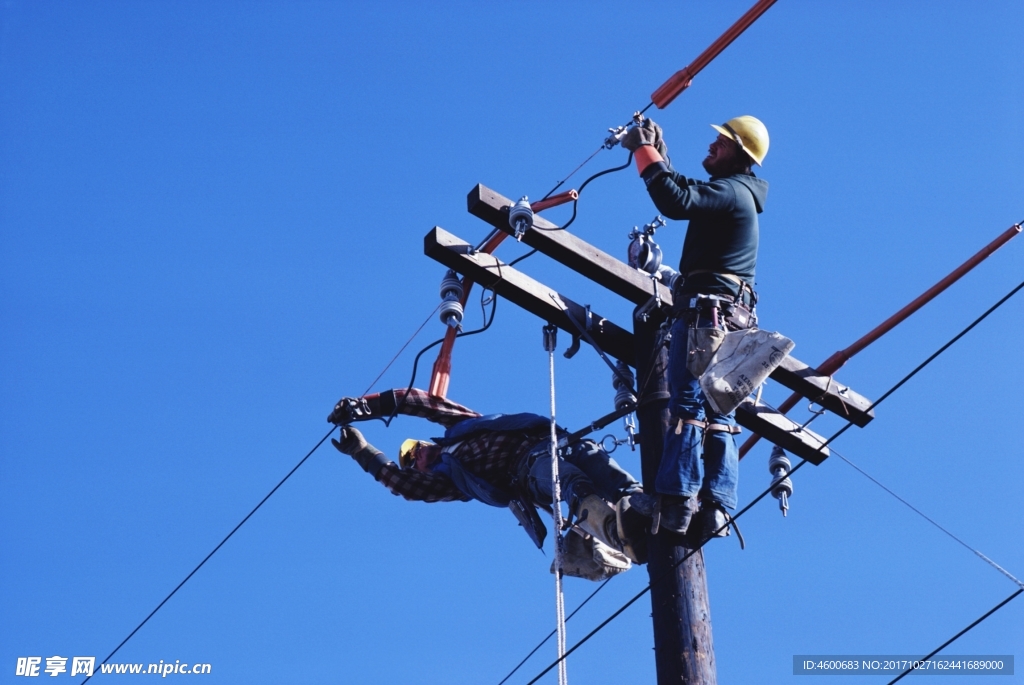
[
  {"x": 411, "y": 402},
  {"x": 410, "y": 484}
]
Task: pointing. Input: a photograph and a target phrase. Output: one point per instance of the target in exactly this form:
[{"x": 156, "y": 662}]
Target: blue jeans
[
  {"x": 680, "y": 469},
  {"x": 583, "y": 469}
]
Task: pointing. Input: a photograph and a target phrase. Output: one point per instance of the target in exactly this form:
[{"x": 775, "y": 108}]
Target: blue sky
[{"x": 211, "y": 222}]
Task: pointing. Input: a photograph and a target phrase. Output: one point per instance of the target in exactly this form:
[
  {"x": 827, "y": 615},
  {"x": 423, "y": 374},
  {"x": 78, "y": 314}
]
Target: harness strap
[{"x": 709, "y": 427}]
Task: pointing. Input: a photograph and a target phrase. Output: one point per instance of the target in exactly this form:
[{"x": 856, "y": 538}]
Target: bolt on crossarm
[{"x": 837, "y": 360}]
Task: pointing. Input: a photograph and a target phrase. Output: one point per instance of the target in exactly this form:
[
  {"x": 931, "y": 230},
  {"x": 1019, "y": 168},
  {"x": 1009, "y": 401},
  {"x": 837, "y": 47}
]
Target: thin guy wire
[
  {"x": 929, "y": 520},
  {"x": 950, "y": 641},
  {"x": 221, "y": 544},
  {"x": 559, "y": 184},
  {"x": 400, "y": 351},
  {"x": 791, "y": 472}
]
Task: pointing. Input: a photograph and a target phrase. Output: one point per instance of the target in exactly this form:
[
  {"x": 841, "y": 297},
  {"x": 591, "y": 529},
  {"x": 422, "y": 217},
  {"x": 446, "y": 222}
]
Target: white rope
[{"x": 556, "y": 510}]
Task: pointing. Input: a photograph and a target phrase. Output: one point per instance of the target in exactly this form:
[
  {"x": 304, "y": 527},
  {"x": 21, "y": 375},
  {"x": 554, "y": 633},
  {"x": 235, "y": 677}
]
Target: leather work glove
[
  {"x": 351, "y": 441},
  {"x": 349, "y": 409},
  {"x": 647, "y": 133},
  {"x": 366, "y": 455}
]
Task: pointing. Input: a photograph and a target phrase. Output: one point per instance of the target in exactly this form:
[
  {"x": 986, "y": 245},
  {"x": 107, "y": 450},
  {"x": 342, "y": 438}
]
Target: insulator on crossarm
[
  {"x": 451, "y": 313},
  {"x": 451, "y": 296},
  {"x": 623, "y": 391},
  {"x": 520, "y": 217},
  {"x": 782, "y": 486},
  {"x": 451, "y": 286}
]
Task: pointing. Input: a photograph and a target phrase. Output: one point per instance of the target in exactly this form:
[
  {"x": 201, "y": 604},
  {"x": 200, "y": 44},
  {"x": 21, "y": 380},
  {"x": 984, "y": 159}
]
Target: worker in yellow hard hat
[
  {"x": 717, "y": 271},
  {"x": 503, "y": 460}
]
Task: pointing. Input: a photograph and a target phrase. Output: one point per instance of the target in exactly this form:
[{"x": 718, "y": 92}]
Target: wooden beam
[
  {"x": 637, "y": 287},
  {"x": 777, "y": 428},
  {"x": 524, "y": 291},
  {"x": 824, "y": 391},
  {"x": 553, "y": 307},
  {"x": 564, "y": 247}
]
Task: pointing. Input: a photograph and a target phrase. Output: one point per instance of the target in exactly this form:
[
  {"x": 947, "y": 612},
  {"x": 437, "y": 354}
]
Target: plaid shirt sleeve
[
  {"x": 490, "y": 456},
  {"x": 419, "y": 487},
  {"x": 416, "y": 402}
]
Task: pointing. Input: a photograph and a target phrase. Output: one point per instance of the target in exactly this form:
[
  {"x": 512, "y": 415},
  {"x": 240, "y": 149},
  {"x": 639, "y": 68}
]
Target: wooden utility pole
[{"x": 684, "y": 650}]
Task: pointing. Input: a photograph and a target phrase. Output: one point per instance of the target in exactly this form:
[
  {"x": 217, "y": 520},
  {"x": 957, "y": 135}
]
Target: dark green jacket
[{"x": 723, "y": 233}]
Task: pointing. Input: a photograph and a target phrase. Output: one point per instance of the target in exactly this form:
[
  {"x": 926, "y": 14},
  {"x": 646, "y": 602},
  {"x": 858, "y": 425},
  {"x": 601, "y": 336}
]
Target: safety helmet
[
  {"x": 749, "y": 133},
  {"x": 407, "y": 452}
]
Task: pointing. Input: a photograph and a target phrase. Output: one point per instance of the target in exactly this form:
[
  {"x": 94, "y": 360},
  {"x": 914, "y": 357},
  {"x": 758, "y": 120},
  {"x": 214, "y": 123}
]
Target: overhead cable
[
  {"x": 950, "y": 641},
  {"x": 219, "y": 545}
]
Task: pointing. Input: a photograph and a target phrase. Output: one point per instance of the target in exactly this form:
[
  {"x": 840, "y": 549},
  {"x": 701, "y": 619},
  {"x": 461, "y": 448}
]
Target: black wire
[
  {"x": 521, "y": 258},
  {"x": 221, "y": 544},
  {"x": 950, "y": 641},
  {"x": 415, "y": 363},
  {"x": 575, "y": 202},
  {"x": 791, "y": 472},
  {"x": 553, "y": 632}
]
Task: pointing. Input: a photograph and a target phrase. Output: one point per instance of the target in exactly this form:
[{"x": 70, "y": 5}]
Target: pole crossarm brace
[
  {"x": 635, "y": 286},
  {"x": 526, "y": 292}
]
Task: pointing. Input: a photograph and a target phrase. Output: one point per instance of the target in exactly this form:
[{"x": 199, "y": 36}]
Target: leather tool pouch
[{"x": 740, "y": 318}]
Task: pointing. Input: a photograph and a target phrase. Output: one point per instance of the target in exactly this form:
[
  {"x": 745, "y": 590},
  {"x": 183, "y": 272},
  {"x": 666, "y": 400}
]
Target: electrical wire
[
  {"x": 917, "y": 511},
  {"x": 951, "y": 640},
  {"x": 575, "y": 202},
  {"x": 402, "y": 349},
  {"x": 219, "y": 545},
  {"x": 553, "y": 632},
  {"x": 799, "y": 465},
  {"x": 416, "y": 362}
]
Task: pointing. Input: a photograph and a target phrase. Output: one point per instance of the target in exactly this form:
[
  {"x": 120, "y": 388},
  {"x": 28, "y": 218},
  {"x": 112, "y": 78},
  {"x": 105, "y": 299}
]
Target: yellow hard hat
[
  {"x": 749, "y": 133},
  {"x": 406, "y": 453}
]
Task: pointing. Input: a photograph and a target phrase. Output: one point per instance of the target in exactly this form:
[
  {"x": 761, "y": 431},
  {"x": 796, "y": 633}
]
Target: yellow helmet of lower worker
[
  {"x": 407, "y": 452},
  {"x": 749, "y": 133}
]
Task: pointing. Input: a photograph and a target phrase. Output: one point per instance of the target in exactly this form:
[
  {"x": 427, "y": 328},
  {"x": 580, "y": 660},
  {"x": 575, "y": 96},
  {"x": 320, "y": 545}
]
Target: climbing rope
[{"x": 550, "y": 337}]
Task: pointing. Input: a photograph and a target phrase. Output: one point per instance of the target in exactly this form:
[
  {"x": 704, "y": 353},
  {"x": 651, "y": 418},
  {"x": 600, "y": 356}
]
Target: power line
[
  {"x": 950, "y": 641},
  {"x": 552, "y": 633},
  {"x": 929, "y": 520},
  {"x": 219, "y": 545},
  {"x": 802, "y": 462}
]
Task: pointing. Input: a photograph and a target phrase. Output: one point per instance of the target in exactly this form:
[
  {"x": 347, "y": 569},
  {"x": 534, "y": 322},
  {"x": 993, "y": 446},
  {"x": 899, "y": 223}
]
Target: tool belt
[
  {"x": 736, "y": 312},
  {"x": 726, "y": 312}
]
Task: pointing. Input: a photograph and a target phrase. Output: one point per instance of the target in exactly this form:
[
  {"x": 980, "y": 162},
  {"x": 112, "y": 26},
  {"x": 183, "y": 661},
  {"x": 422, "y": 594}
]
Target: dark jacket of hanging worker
[{"x": 700, "y": 464}]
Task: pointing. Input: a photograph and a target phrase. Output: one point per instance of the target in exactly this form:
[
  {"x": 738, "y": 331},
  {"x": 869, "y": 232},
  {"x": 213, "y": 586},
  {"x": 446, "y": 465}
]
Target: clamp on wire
[
  {"x": 550, "y": 337},
  {"x": 617, "y": 133}
]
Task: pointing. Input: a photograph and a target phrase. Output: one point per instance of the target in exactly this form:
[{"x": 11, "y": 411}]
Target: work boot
[
  {"x": 715, "y": 522},
  {"x": 631, "y": 525},
  {"x": 598, "y": 518},
  {"x": 676, "y": 513}
]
